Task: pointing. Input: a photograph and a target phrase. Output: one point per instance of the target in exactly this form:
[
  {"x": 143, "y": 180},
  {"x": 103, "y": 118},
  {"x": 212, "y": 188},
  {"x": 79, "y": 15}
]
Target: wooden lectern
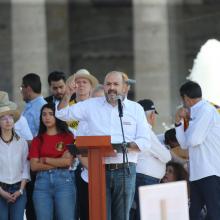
[{"x": 98, "y": 147}]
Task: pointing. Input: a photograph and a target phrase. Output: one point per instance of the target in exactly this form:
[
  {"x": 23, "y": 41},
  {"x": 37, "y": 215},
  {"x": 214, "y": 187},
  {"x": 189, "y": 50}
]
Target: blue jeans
[
  {"x": 55, "y": 189},
  {"x": 142, "y": 180},
  {"x": 114, "y": 192},
  {"x": 13, "y": 210}
]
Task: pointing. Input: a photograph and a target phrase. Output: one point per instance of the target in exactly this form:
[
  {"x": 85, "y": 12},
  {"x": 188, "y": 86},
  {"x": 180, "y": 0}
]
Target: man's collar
[
  {"x": 34, "y": 100},
  {"x": 124, "y": 102},
  {"x": 196, "y": 106}
]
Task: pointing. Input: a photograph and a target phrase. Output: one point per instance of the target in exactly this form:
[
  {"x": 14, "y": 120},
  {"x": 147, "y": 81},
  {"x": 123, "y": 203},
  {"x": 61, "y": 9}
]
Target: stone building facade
[{"x": 154, "y": 41}]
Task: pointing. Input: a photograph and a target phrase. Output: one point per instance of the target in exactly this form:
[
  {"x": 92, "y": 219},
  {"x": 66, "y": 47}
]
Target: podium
[{"x": 98, "y": 147}]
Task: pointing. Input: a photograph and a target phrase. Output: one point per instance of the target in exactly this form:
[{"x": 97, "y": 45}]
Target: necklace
[{"x": 7, "y": 141}]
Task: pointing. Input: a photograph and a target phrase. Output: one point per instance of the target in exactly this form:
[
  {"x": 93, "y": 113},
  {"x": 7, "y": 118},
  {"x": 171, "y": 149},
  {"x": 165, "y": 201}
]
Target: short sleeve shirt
[{"x": 50, "y": 145}]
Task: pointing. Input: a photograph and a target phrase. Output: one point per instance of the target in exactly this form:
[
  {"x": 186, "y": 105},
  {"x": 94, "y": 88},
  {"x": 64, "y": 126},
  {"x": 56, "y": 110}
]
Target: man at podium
[{"x": 102, "y": 117}]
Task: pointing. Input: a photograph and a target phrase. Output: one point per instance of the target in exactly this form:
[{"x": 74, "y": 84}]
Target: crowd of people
[{"x": 41, "y": 178}]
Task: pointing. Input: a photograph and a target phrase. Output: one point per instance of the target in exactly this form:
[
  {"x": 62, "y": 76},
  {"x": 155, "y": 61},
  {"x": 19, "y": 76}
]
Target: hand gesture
[
  {"x": 181, "y": 114},
  {"x": 71, "y": 86}
]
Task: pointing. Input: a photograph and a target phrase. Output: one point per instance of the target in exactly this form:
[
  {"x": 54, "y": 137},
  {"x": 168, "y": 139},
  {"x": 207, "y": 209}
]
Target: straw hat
[
  {"x": 7, "y": 107},
  {"x": 83, "y": 73}
]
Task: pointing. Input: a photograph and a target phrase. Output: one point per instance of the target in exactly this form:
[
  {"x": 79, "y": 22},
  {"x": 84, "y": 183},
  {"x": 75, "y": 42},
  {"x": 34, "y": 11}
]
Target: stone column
[
  {"x": 5, "y": 45},
  {"x": 57, "y": 12},
  {"x": 29, "y": 43},
  {"x": 152, "y": 56}
]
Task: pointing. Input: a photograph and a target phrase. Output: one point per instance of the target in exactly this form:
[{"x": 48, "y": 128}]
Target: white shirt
[
  {"x": 14, "y": 165},
  {"x": 82, "y": 130},
  {"x": 153, "y": 162},
  {"x": 22, "y": 129},
  {"x": 102, "y": 119},
  {"x": 202, "y": 138}
]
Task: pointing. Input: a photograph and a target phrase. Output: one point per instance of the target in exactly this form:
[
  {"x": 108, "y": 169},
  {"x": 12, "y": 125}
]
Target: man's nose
[
  {"x": 79, "y": 84},
  {"x": 112, "y": 87},
  {"x": 59, "y": 90}
]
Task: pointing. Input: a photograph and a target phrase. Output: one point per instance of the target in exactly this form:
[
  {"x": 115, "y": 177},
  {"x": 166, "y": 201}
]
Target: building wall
[
  {"x": 152, "y": 62},
  {"x": 29, "y": 43},
  {"x": 58, "y": 42},
  {"x": 5, "y": 47},
  {"x": 101, "y": 35},
  {"x": 154, "y": 41}
]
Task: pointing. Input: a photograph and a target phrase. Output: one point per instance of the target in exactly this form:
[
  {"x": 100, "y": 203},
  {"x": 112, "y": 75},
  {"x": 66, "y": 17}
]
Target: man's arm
[
  {"x": 197, "y": 130},
  {"x": 181, "y": 136},
  {"x": 142, "y": 139},
  {"x": 158, "y": 150},
  {"x": 64, "y": 102},
  {"x": 76, "y": 112}
]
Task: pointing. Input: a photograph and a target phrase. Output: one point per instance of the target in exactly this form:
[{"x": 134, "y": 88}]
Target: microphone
[{"x": 119, "y": 99}]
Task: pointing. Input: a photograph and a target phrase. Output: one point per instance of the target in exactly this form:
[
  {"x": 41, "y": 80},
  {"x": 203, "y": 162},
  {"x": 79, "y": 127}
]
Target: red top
[{"x": 50, "y": 145}]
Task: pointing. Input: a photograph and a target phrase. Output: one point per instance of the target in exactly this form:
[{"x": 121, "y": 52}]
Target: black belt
[
  {"x": 116, "y": 166},
  {"x": 6, "y": 185}
]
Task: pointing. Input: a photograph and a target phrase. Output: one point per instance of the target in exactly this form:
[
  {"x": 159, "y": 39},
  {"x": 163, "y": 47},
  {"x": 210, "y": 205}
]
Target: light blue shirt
[{"x": 32, "y": 113}]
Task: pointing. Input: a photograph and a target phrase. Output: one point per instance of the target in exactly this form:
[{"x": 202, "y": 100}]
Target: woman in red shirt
[{"x": 55, "y": 182}]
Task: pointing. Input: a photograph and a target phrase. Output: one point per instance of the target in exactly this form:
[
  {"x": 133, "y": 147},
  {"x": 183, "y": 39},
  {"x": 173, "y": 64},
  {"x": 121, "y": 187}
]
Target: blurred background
[{"x": 153, "y": 41}]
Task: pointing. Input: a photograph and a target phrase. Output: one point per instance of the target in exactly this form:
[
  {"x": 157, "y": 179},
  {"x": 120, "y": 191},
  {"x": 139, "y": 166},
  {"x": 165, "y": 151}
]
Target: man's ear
[
  {"x": 124, "y": 88},
  {"x": 29, "y": 89}
]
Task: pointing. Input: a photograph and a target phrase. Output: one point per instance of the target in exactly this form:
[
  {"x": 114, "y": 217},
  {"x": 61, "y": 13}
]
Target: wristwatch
[
  {"x": 178, "y": 124},
  {"x": 21, "y": 191}
]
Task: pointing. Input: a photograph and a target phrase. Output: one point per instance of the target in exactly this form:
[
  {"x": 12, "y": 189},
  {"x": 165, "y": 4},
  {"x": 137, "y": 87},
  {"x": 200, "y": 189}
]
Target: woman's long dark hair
[
  {"x": 61, "y": 126},
  {"x": 179, "y": 172}
]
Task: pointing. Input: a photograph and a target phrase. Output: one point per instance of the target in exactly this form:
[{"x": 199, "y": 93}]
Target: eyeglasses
[{"x": 7, "y": 118}]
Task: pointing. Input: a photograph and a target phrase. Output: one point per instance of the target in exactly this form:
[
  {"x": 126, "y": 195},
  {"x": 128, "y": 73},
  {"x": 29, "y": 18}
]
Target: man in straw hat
[
  {"x": 14, "y": 165},
  {"x": 102, "y": 118},
  {"x": 85, "y": 82}
]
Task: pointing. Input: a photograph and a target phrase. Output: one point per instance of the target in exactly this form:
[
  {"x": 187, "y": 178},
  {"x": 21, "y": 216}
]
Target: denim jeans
[
  {"x": 14, "y": 211},
  {"x": 114, "y": 192},
  {"x": 55, "y": 189},
  {"x": 142, "y": 180}
]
